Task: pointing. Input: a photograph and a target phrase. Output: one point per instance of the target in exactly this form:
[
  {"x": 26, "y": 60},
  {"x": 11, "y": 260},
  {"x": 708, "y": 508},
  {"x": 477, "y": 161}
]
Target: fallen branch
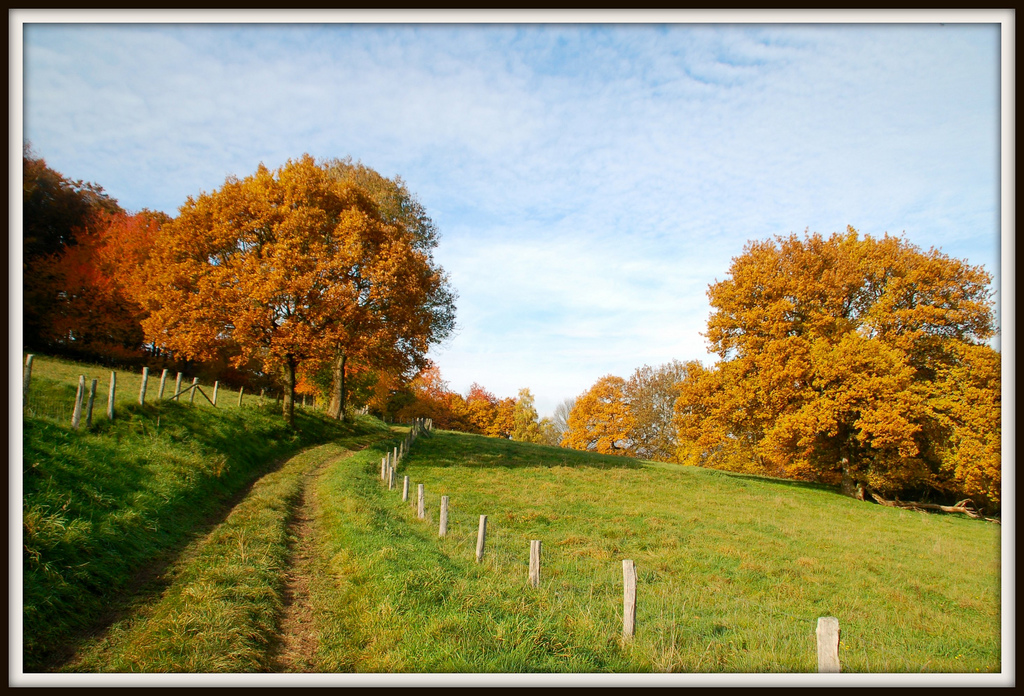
[{"x": 961, "y": 507}]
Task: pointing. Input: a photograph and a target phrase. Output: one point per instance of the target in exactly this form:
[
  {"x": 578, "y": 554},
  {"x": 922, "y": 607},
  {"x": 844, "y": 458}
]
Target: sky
[{"x": 588, "y": 180}]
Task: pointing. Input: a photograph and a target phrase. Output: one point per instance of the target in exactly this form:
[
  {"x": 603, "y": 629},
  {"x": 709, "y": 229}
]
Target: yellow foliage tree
[
  {"x": 837, "y": 358},
  {"x": 600, "y": 420}
]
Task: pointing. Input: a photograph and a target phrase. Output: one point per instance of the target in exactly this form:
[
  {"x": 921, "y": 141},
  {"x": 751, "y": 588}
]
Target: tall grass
[
  {"x": 733, "y": 571},
  {"x": 103, "y": 509}
]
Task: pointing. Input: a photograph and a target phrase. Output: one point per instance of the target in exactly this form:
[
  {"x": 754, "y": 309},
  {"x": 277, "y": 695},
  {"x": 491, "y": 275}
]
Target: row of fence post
[
  {"x": 86, "y": 406},
  {"x": 827, "y": 631}
]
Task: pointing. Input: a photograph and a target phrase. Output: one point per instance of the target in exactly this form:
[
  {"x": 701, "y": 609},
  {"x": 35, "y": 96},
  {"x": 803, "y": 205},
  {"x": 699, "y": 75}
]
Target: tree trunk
[
  {"x": 847, "y": 486},
  {"x": 338, "y": 396},
  {"x": 288, "y": 390}
]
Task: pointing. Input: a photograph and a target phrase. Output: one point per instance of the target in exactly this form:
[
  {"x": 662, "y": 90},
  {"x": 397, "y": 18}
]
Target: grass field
[
  {"x": 733, "y": 570},
  {"x": 104, "y": 509}
]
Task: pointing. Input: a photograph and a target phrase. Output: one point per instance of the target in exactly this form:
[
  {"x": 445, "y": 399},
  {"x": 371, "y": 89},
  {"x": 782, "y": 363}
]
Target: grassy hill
[{"x": 733, "y": 571}]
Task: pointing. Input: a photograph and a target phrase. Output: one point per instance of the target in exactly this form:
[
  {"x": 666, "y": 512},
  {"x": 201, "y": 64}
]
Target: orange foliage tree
[
  {"x": 286, "y": 265},
  {"x": 406, "y": 301},
  {"x": 600, "y": 420},
  {"x": 96, "y": 314},
  {"x": 838, "y": 358}
]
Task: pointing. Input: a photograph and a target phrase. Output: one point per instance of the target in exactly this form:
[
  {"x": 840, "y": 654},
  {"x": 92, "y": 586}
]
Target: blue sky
[{"x": 589, "y": 181}]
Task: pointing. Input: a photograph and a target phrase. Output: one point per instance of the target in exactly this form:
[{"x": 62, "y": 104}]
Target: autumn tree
[
  {"x": 56, "y": 211},
  {"x": 525, "y": 427},
  {"x": 406, "y": 302},
  {"x": 95, "y": 312},
  {"x": 836, "y": 357},
  {"x": 286, "y": 265},
  {"x": 651, "y": 394},
  {"x": 600, "y": 420}
]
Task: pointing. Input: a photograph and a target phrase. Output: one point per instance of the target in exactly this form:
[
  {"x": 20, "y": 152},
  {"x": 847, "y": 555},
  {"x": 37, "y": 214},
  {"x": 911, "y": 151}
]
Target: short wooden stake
[
  {"x": 88, "y": 410},
  {"x": 163, "y": 381},
  {"x": 391, "y": 478},
  {"x": 481, "y": 538},
  {"x": 394, "y": 457},
  {"x": 240, "y": 391},
  {"x": 110, "y": 396},
  {"x": 28, "y": 375},
  {"x": 405, "y": 489},
  {"x": 177, "y": 387},
  {"x": 828, "y": 644},
  {"x": 421, "y": 511},
  {"x": 443, "y": 529},
  {"x": 628, "y": 599},
  {"x": 192, "y": 394},
  {"x": 76, "y": 415},
  {"x": 535, "y": 563},
  {"x": 142, "y": 389},
  {"x": 215, "y": 385}
]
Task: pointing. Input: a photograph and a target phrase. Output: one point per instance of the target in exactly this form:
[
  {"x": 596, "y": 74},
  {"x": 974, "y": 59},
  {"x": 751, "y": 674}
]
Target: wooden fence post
[
  {"x": 535, "y": 562},
  {"x": 628, "y": 599},
  {"x": 192, "y": 394},
  {"x": 177, "y": 387},
  {"x": 110, "y": 396},
  {"x": 481, "y": 538},
  {"x": 405, "y": 489},
  {"x": 142, "y": 389},
  {"x": 88, "y": 410},
  {"x": 391, "y": 478},
  {"x": 421, "y": 511},
  {"x": 76, "y": 415},
  {"x": 828, "y": 644},
  {"x": 443, "y": 529},
  {"x": 215, "y": 385},
  {"x": 383, "y": 467},
  {"x": 28, "y": 376},
  {"x": 240, "y": 392},
  {"x": 163, "y": 381}
]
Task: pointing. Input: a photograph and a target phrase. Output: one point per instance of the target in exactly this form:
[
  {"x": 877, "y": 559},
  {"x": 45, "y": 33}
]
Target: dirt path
[{"x": 296, "y": 642}]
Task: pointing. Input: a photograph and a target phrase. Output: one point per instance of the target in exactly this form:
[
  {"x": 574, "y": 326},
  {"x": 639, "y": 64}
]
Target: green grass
[
  {"x": 733, "y": 571},
  {"x": 220, "y": 612},
  {"x": 104, "y": 509}
]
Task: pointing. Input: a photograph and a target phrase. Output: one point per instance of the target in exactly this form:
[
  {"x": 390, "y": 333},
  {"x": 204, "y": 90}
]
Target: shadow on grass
[{"x": 448, "y": 449}]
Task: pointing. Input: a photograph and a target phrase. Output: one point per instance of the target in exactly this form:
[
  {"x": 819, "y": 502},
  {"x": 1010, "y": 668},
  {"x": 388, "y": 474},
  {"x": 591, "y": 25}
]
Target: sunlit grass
[{"x": 733, "y": 571}]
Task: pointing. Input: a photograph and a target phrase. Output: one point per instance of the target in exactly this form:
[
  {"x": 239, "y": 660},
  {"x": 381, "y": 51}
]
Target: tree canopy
[
  {"x": 288, "y": 266},
  {"x": 839, "y": 356}
]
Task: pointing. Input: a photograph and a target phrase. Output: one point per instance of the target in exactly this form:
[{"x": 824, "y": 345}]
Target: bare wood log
[
  {"x": 76, "y": 415},
  {"x": 828, "y": 644},
  {"x": 535, "y": 562},
  {"x": 443, "y": 528},
  {"x": 960, "y": 507},
  {"x": 28, "y": 375},
  {"x": 142, "y": 389},
  {"x": 88, "y": 410},
  {"x": 481, "y": 538},
  {"x": 110, "y": 396},
  {"x": 628, "y": 599}
]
